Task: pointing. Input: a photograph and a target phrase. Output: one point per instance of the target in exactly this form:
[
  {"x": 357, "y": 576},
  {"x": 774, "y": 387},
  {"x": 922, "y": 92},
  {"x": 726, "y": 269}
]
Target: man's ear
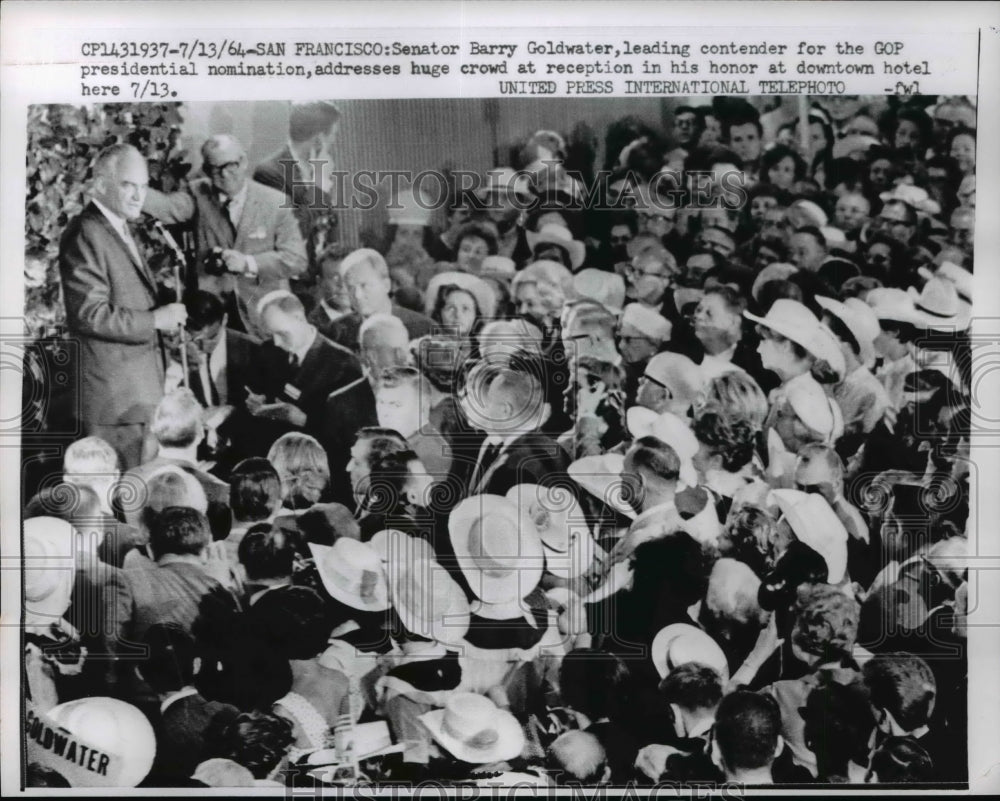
[
  {"x": 779, "y": 746},
  {"x": 546, "y": 413},
  {"x": 196, "y": 665},
  {"x": 606, "y": 776}
]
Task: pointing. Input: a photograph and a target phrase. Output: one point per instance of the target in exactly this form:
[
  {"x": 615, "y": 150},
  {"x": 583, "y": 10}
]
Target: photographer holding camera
[{"x": 248, "y": 241}]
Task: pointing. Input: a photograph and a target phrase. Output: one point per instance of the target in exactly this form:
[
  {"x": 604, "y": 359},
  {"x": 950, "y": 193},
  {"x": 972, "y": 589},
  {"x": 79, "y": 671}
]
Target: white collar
[
  {"x": 301, "y": 354},
  {"x": 184, "y": 692},
  {"x": 239, "y": 198},
  {"x": 660, "y": 508},
  {"x": 119, "y": 223}
]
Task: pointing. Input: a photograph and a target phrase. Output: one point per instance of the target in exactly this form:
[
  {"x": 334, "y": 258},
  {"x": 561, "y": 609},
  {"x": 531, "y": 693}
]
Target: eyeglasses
[{"x": 219, "y": 169}]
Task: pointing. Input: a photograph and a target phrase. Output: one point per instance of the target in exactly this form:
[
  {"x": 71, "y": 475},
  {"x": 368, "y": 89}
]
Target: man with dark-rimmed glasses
[{"x": 247, "y": 241}]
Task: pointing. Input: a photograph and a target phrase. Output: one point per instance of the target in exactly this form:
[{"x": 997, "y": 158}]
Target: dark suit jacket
[
  {"x": 318, "y": 222},
  {"x": 180, "y": 737},
  {"x": 326, "y": 368},
  {"x": 345, "y": 330},
  {"x": 109, "y": 301},
  {"x": 533, "y": 458},
  {"x": 347, "y": 410},
  {"x": 267, "y": 231}
]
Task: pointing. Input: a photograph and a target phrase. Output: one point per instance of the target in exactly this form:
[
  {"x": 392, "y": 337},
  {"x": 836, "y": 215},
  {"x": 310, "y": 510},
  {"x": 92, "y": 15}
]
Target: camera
[{"x": 214, "y": 263}]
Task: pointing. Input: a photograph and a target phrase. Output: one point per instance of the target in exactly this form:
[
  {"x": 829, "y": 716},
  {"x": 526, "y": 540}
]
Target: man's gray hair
[
  {"x": 366, "y": 256},
  {"x": 106, "y": 163}
]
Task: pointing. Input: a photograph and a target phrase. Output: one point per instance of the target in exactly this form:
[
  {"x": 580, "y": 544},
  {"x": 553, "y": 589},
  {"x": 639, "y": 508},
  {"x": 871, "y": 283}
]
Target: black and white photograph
[{"x": 615, "y": 435}]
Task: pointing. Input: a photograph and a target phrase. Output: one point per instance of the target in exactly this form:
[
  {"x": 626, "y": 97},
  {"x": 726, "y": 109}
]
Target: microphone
[{"x": 169, "y": 239}]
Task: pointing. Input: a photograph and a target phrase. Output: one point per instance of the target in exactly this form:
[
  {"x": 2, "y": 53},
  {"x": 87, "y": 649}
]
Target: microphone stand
[{"x": 179, "y": 261}]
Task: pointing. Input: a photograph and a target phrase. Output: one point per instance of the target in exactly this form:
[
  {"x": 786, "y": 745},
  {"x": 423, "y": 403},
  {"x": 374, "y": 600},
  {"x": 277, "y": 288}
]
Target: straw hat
[
  {"x": 428, "y": 600},
  {"x": 860, "y": 320},
  {"x": 939, "y": 306},
  {"x": 671, "y": 429},
  {"x": 815, "y": 524},
  {"x": 606, "y": 288},
  {"x": 555, "y": 513},
  {"x": 795, "y": 322},
  {"x": 486, "y": 298},
  {"x": 352, "y": 573},
  {"x": 117, "y": 732},
  {"x": 498, "y": 549},
  {"x": 681, "y": 643},
  {"x": 601, "y": 476},
  {"x": 560, "y": 235},
  {"x": 473, "y": 729}
]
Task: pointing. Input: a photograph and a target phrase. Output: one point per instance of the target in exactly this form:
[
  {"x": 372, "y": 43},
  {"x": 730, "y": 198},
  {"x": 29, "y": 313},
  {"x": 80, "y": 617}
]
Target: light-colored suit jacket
[
  {"x": 109, "y": 311},
  {"x": 267, "y": 230}
]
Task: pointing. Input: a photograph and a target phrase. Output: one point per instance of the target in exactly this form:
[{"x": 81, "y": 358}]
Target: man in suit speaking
[
  {"x": 248, "y": 240},
  {"x": 111, "y": 300}
]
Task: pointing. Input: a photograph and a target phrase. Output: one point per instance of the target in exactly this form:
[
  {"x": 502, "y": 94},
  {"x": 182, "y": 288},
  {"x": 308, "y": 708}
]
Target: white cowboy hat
[
  {"x": 352, "y": 573},
  {"x": 498, "y": 549},
  {"x": 473, "y": 729},
  {"x": 555, "y": 513},
  {"x": 814, "y": 523},
  {"x": 939, "y": 306},
  {"x": 795, "y": 322},
  {"x": 671, "y": 429},
  {"x": 601, "y": 476},
  {"x": 890, "y": 303},
  {"x": 606, "y": 288},
  {"x": 860, "y": 320},
  {"x": 428, "y": 600},
  {"x": 486, "y": 297},
  {"x": 393, "y": 545},
  {"x": 959, "y": 276},
  {"x": 560, "y": 235},
  {"x": 680, "y": 644}
]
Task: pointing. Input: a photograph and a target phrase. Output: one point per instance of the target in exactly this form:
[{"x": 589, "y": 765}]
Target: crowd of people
[{"x": 666, "y": 482}]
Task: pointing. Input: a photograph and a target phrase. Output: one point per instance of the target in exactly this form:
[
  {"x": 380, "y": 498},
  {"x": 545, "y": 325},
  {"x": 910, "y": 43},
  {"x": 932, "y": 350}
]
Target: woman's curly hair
[{"x": 826, "y": 621}]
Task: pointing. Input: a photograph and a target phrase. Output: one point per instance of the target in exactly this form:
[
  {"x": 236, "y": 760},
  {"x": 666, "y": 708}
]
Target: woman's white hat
[
  {"x": 557, "y": 516},
  {"x": 601, "y": 476},
  {"x": 49, "y": 544},
  {"x": 556, "y": 234},
  {"x": 473, "y": 729},
  {"x": 816, "y": 409},
  {"x": 814, "y": 523},
  {"x": 606, "y": 288},
  {"x": 671, "y": 429},
  {"x": 680, "y": 644},
  {"x": 498, "y": 549},
  {"x": 890, "y": 303},
  {"x": 352, "y": 573},
  {"x": 486, "y": 297},
  {"x": 795, "y": 322}
]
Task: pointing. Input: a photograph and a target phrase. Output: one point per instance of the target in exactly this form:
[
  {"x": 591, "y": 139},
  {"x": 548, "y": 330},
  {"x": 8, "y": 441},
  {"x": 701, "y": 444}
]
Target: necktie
[
  {"x": 490, "y": 454},
  {"x": 230, "y": 212},
  {"x": 211, "y": 391},
  {"x": 293, "y": 362},
  {"x": 126, "y": 235}
]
